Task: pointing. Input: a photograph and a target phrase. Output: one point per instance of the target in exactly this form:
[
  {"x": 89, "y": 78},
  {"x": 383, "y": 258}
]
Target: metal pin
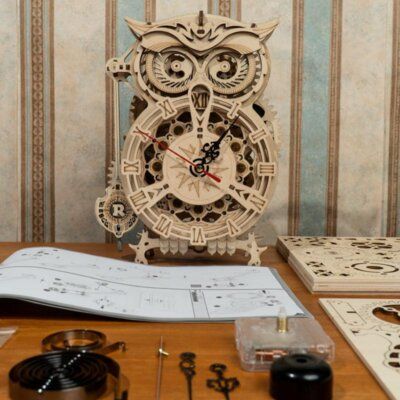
[
  {"x": 282, "y": 321},
  {"x": 161, "y": 354},
  {"x": 201, "y": 18}
]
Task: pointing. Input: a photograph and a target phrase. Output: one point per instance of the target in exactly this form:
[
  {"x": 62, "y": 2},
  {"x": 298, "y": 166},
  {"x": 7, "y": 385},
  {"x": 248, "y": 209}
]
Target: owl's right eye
[
  {"x": 169, "y": 71},
  {"x": 231, "y": 73}
]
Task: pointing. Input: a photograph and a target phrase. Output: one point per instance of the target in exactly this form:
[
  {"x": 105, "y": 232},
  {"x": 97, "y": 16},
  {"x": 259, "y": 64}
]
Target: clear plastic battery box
[{"x": 260, "y": 341}]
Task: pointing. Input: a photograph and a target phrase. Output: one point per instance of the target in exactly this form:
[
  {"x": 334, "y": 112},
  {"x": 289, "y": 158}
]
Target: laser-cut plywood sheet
[
  {"x": 344, "y": 264},
  {"x": 372, "y": 328}
]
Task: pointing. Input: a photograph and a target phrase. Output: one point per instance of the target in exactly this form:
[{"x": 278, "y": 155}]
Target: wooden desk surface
[{"x": 211, "y": 342}]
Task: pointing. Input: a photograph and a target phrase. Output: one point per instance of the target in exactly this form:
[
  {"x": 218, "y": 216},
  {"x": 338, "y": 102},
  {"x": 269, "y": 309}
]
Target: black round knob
[{"x": 301, "y": 377}]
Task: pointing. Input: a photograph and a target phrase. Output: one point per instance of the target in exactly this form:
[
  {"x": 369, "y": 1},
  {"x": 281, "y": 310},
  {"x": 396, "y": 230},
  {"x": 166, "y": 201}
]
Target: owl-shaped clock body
[{"x": 199, "y": 163}]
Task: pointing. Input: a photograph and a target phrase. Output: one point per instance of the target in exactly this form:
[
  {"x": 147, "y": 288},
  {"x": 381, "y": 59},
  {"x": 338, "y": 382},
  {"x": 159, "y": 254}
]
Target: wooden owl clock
[{"x": 199, "y": 163}]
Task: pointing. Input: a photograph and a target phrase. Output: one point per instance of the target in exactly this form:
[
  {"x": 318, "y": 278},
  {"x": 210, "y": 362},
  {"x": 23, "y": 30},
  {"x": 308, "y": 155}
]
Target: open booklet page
[{"x": 123, "y": 289}]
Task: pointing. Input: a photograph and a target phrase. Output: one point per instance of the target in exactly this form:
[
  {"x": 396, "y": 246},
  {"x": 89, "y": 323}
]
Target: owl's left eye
[
  {"x": 231, "y": 73},
  {"x": 169, "y": 71}
]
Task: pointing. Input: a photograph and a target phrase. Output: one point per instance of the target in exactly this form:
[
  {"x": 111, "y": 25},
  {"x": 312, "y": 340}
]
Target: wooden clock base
[{"x": 229, "y": 246}]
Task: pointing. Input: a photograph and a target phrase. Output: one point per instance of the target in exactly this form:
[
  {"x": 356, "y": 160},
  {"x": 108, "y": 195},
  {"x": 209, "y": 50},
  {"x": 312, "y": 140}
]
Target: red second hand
[{"x": 164, "y": 146}]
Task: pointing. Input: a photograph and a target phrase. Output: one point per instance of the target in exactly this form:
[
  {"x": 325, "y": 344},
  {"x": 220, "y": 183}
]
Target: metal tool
[
  {"x": 161, "y": 354},
  {"x": 187, "y": 366},
  {"x": 222, "y": 384}
]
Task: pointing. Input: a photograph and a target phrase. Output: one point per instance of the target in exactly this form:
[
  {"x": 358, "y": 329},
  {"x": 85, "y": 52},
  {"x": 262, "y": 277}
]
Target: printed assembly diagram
[{"x": 126, "y": 290}]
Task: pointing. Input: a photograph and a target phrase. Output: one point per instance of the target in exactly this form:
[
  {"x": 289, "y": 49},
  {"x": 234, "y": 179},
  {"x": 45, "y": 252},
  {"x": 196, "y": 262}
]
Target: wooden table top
[{"x": 212, "y": 342}]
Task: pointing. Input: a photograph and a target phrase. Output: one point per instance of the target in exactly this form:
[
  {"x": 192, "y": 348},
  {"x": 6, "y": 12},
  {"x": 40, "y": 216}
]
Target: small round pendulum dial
[{"x": 113, "y": 211}]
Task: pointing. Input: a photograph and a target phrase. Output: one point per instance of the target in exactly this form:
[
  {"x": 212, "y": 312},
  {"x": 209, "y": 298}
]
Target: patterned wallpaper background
[{"x": 335, "y": 84}]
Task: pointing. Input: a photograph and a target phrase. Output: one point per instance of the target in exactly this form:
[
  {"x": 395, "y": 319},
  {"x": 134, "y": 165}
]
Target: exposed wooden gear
[{"x": 199, "y": 163}]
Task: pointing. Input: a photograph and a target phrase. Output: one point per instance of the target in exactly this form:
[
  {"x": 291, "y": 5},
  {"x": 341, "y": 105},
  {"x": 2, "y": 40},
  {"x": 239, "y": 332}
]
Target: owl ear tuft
[
  {"x": 266, "y": 29},
  {"x": 138, "y": 28}
]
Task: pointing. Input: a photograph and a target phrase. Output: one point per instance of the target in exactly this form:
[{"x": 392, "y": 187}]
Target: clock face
[
  {"x": 182, "y": 191},
  {"x": 185, "y": 183}
]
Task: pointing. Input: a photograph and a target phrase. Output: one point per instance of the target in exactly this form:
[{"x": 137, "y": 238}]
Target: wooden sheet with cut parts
[
  {"x": 344, "y": 264},
  {"x": 372, "y": 328}
]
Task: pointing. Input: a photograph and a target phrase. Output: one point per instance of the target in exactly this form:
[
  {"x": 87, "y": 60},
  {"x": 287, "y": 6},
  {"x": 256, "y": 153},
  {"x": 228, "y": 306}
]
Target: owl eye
[
  {"x": 231, "y": 73},
  {"x": 169, "y": 71}
]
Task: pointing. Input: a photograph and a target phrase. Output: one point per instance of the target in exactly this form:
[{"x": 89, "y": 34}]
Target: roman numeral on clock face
[
  {"x": 147, "y": 196},
  {"x": 266, "y": 168},
  {"x": 139, "y": 201},
  {"x": 168, "y": 110},
  {"x": 249, "y": 198},
  {"x": 131, "y": 167},
  {"x": 163, "y": 225},
  {"x": 200, "y": 100},
  {"x": 233, "y": 229},
  {"x": 258, "y": 202},
  {"x": 197, "y": 237},
  {"x": 256, "y": 136},
  {"x": 233, "y": 112}
]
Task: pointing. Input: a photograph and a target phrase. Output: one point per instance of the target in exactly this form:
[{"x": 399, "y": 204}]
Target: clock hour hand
[
  {"x": 212, "y": 150},
  {"x": 197, "y": 166}
]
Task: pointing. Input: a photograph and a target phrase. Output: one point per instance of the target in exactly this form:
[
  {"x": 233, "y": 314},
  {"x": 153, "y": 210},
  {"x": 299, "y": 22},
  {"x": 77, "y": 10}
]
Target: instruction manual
[{"x": 122, "y": 289}]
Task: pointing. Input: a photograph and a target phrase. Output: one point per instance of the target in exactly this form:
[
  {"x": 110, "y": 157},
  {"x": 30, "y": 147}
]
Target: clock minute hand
[
  {"x": 226, "y": 131},
  {"x": 211, "y": 150},
  {"x": 164, "y": 146}
]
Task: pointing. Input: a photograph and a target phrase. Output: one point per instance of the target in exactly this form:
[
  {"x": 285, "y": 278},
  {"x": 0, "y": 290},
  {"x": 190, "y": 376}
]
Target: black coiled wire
[{"x": 85, "y": 373}]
